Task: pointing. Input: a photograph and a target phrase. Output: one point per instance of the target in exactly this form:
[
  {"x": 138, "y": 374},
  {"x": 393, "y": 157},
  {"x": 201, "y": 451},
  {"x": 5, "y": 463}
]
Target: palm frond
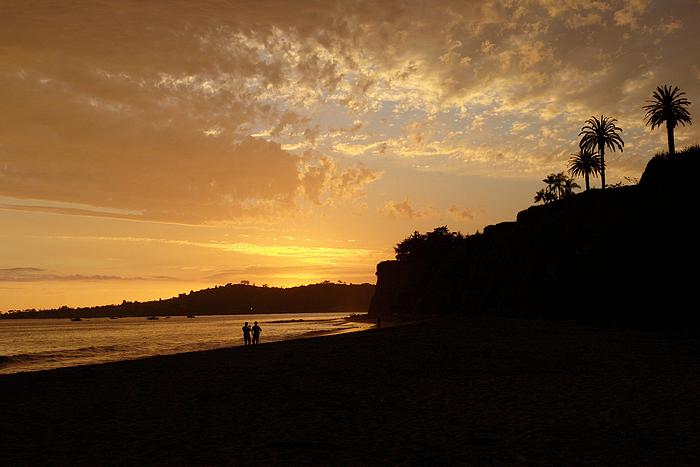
[
  {"x": 584, "y": 162},
  {"x": 601, "y": 133},
  {"x": 667, "y": 106}
]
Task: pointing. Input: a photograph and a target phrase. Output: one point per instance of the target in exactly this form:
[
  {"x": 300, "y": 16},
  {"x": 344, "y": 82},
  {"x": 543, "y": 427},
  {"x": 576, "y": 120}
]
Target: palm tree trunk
[
  {"x": 602, "y": 166},
  {"x": 671, "y": 141},
  {"x": 588, "y": 185}
]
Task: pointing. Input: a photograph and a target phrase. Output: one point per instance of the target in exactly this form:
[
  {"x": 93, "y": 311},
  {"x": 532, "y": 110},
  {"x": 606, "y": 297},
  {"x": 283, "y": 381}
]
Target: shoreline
[
  {"x": 9, "y": 317},
  {"x": 455, "y": 391},
  {"x": 319, "y": 335},
  {"x": 352, "y": 319}
]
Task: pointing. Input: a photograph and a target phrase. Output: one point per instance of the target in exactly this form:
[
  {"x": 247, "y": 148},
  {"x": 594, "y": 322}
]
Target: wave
[
  {"x": 54, "y": 355},
  {"x": 327, "y": 332},
  {"x": 299, "y": 320}
]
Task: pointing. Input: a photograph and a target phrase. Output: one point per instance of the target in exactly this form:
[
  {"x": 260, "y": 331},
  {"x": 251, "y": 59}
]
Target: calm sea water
[{"x": 42, "y": 344}]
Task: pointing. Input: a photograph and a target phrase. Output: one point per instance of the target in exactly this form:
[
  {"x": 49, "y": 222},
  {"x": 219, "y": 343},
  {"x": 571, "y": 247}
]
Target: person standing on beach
[
  {"x": 256, "y": 333},
  {"x": 246, "y": 333}
]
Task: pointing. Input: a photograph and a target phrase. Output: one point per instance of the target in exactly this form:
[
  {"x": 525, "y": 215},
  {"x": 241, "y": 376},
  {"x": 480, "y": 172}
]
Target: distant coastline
[{"x": 229, "y": 299}]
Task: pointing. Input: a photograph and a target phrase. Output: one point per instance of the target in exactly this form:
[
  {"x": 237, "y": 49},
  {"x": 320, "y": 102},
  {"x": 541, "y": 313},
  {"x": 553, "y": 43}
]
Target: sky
[{"x": 152, "y": 148}]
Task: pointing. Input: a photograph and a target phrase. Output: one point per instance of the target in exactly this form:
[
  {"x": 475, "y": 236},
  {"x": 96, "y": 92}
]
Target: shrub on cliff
[
  {"x": 431, "y": 245},
  {"x": 671, "y": 174}
]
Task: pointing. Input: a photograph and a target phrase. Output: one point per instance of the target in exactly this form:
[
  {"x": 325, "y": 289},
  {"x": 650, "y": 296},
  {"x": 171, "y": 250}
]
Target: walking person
[
  {"x": 256, "y": 333},
  {"x": 246, "y": 333}
]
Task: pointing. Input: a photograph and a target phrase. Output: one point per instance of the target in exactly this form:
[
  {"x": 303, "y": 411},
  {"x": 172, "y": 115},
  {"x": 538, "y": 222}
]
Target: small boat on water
[
  {"x": 152, "y": 318},
  {"x": 77, "y": 318}
]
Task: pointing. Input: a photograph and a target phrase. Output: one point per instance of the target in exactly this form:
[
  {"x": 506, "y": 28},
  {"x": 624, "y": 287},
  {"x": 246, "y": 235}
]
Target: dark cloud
[{"x": 30, "y": 274}]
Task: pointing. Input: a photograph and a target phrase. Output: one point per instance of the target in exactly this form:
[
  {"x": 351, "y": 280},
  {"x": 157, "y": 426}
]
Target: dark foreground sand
[{"x": 480, "y": 391}]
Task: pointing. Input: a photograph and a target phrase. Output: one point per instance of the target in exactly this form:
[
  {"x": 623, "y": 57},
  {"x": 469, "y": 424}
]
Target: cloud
[
  {"x": 628, "y": 15},
  {"x": 461, "y": 213},
  {"x": 307, "y": 253},
  {"x": 67, "y": 209},
  {"x": 401, "y": 210},
  {"x": 323, "y": 177},
  {"x": 287, "y": 119},
  {"x": 131, "y": 102},
  {"x": 30, "y": 274}
]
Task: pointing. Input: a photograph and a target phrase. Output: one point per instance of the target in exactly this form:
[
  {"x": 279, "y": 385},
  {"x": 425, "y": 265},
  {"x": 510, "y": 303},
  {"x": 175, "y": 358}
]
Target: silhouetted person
[
  {"x": 246, "y": 333},
  {"x": 256, "y": 333}
]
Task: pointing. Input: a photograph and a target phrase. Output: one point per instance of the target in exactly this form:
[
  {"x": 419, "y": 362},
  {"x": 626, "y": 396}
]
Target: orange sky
[{"x": 150, "y": 148}]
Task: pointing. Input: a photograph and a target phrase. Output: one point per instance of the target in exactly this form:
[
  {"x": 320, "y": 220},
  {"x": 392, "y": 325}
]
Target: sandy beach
[{"x": 489, "y": 391}]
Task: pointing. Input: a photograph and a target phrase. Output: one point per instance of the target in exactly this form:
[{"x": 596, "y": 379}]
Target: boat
[
  {"x": 152, "y": 318},
  {"x": 77, "y": 318}
]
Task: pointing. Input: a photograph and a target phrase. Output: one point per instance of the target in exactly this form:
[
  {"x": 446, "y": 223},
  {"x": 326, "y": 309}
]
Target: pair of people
[{"x": 254, "y": 331}]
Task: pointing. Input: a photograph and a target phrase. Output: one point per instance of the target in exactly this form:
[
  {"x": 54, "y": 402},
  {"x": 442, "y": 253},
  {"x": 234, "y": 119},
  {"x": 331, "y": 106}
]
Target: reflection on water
[{"x": 41, "y": 344}]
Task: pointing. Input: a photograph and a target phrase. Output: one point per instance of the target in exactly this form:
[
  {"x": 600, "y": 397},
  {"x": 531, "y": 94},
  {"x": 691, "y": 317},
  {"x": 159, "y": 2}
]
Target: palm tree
[
  {"x": 599, "y": 134},
  {"x": 544, "y": 195},
  {"x": 553, "y": 182},
  {"x": 585, "y": 163},
  {"x": 668, "y": 106},
  {"x": 540, "y": 195},
  {"x": 568, "y": 186},
  {"x": 559, "y": 186}
]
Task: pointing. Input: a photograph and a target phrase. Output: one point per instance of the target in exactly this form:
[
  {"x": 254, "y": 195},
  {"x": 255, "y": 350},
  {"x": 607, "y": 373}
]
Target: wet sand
[{"x": 476, "y": 391}]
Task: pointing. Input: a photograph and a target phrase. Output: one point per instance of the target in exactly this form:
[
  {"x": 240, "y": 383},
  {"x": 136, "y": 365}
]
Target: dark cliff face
[{"x": 626, "y": 255}]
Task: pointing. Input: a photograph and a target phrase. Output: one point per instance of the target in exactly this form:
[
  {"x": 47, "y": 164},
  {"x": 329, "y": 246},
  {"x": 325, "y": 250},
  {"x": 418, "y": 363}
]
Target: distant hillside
[
  {"x": 626, "y": 255},
  {"x": 230, "y": 299}
]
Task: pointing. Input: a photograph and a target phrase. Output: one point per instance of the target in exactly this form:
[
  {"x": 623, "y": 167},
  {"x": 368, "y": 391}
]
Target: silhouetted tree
[
  {"x": 568, "y": 186},
  {"x": 545, "y": 196},
  {"x": 668, "y": 106},
  {"x": 597, "y": 135},
  {"x": 426, "y": 246},
  {"x": 559, "y": 186},
  {"x": 554, "y": 184},
  {"x": 585, "y": 163}
]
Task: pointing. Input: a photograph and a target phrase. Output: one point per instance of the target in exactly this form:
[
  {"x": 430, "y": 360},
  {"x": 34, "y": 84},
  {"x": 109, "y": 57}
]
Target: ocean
[{"x": 43, "y": 344}]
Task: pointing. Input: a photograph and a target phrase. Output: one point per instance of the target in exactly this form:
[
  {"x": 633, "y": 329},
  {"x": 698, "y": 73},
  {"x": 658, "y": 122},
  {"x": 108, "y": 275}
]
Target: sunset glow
[{"x": 152, "y": 148}]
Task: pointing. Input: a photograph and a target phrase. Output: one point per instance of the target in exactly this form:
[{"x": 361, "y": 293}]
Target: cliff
[{"x": 623, "y": 255}]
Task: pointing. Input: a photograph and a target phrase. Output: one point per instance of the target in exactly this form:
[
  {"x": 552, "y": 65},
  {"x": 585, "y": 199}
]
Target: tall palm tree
[
  {"x": 599, "y": 134},
  {"x": 585, "y": 163},
  {"x": 668, "y": 106}
]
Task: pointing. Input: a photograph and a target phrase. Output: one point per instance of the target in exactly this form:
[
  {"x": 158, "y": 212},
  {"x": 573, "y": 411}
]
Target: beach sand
[{"x": 456, "y": 391}]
